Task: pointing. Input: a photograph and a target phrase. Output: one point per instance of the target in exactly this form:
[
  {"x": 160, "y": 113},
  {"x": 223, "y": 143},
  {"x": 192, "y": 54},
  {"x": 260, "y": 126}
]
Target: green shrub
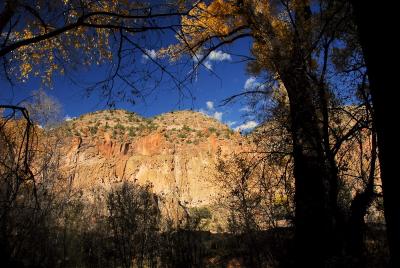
[
  {"x": 199, "y": 218},
  {"x": 119, "y": 127},
  {"x": 212, "y": 129},
  {"x": 186, "y": 128},
  {"x": 182, "y": 135},
  {"x": 93, "y": 130},
  {"x": 68, "y": 131},
  {"x": 131, "y": 118},
  {"x": 152, "y": 126},
  {"x": 141, "y": 127},
  {"x": 201, "y": 212},
  {"x": 132, "y": 132}
]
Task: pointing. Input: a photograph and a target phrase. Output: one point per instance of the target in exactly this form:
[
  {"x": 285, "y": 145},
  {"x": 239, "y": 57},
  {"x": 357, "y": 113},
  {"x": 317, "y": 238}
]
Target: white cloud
[
  {"x": 197, "y": 57},
  {"x": 249, "y": 84},
  {"x": 150, "y": 53},
  {"x": 218, "y": 115},
  {"x": 210, "y": 111},
  {"x": 245, "y": 109},
  {"x": 203, "y": 111},
  {"x": 252, "y": 84},
  {"x": 207, "y": 64},
  {"x": 246, "y": 126},
  {"x": 218, "y": 55},
  {"x": 231, "y": 123},
  {"x": 210, "y": 105},
  {"x": 69, "y": 118}
]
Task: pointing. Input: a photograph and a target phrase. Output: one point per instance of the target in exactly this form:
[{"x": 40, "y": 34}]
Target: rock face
[{"x": 175, "y": 152}]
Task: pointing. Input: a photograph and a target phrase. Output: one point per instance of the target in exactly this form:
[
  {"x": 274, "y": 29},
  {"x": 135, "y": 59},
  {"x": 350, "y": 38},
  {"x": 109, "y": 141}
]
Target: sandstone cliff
[{"x": 175, "y": 152}]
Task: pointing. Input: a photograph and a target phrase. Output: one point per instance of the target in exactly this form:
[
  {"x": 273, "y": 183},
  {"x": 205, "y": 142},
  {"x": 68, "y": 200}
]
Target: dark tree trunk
[
  {"x": 356, "y": 225},
  {"x": 315, "y": 170},
  {"x": 371, "y": 19},
  {"x": 316, "y": 180},
  {"x": 315, "y": 177},
  {"x": 359, "y": 207}
]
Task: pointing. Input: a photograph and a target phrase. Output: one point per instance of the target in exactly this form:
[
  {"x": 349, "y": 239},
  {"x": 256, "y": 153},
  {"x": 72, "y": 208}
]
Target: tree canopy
[{"x": 44, "y": 38}]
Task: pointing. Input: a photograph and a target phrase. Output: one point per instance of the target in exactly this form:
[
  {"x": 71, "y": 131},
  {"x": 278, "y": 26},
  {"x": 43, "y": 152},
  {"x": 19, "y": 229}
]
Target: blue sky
[{"x": 228, "y": 77}]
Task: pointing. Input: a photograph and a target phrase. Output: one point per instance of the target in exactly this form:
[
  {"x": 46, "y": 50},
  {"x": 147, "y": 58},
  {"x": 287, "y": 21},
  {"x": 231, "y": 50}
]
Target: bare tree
[
  {"x": 134, "y": 219},
  {"x": 32, "y": 191}
]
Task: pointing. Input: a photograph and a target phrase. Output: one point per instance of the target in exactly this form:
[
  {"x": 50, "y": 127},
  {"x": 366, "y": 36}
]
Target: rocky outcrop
[
  {"x": 175, "y": 152},
  {"x": 152, "y": 144}
]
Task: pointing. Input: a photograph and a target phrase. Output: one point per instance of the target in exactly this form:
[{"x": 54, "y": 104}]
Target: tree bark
[
  {"x": 359, "y": 207},
  {"x": 314, "y": 177},
  {"x": 371, "y": 20},
  {"x": 317, "y": 236}
]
